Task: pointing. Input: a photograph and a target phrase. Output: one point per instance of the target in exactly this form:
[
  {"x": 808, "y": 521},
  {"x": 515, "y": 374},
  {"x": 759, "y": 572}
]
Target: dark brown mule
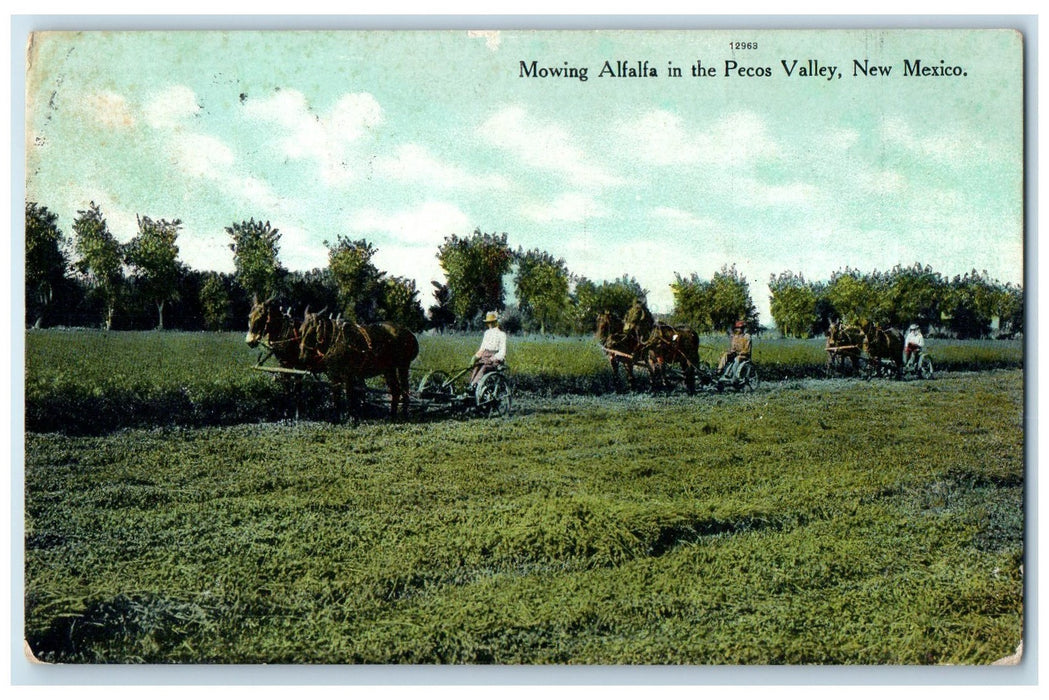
[
  {"x": 639, "y": 321},
  {"x": 622, "y": 348},
  {"x": 349, "y": 353},
  {"x": 275, "y": 330},
  {"x": 673, "y": 344},
  {"x": 883, "y": 343},
  {"x": 844, "y": 344}
]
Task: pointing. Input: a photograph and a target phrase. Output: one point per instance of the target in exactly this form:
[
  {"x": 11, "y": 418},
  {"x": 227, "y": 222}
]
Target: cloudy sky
[{"x": 406, "y": 138}]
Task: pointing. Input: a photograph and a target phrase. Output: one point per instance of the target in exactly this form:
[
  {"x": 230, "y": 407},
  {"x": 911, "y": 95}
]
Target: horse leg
[
  {"x": 404, "y": 380},
  {"x": 336, "y": 400},
  {"x": 394, "y": 387},
  {"x": 690, "y": 377},
  {"x": 298, "y": 396},
  {"x": 354, "y": 391}
]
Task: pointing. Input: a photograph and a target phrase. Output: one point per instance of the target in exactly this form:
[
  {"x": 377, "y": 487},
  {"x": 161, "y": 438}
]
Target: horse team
[
  {"x": 638, "y": 339},
  {"x": 349, "y": 352},
  {"x": 847, "y": 345}
]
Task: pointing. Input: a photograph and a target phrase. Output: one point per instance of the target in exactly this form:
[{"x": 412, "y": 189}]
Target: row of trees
[
  {"x": 965, "y": 306},
  {"x": 91, "y": 277}
]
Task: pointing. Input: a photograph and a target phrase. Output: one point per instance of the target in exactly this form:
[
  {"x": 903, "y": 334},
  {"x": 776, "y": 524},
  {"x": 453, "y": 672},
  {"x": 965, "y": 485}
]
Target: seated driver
[
  {"x": 492, "y": 352},
  {"x": 913, "y": 343},
  {"x": 739, "y": 347}
]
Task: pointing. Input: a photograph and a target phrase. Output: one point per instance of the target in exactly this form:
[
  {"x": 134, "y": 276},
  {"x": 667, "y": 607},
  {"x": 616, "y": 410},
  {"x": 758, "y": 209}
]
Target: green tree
[
  {"x": 153, "y": 256},
  {"x": 716, "y": 304},
  {"x": 793, "y": 304},
  {"x": 1009, "y": 305},
  {"x": 359, "y": 282},
  {"x": 854, "y": 296},
  {"x": 911, "y": 295},
  {"x": 589, "y": 298},
  {"x": 542, "y": 284},
  {"x": 215, "y": 302},
  {"x": 584, "y": 305},
  {"x": 692, "y": 302},
  {"x": 45, "y": 260},
  {"x": 100, "y": 258},
  {"x": 969, "y": 304},
  {"x": 474, "y": 267},
  {"x": 256, "y": 246},
  {"x": 400, "y": 303},
  {"x": 441, "y": 314},
  {"x": 314, "y": 288}
]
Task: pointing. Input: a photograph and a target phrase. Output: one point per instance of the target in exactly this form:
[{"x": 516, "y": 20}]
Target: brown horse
[
  {"x": 350, "y": 353},
  {"x": 639, "y": 321},
  {"x": 882, "y": 343},
  {"x": 622, "y": 348},
  {"x": 844, "y": 343},
  {"x": 673, "y": 344},
  {"x": 275, "y": 330}
]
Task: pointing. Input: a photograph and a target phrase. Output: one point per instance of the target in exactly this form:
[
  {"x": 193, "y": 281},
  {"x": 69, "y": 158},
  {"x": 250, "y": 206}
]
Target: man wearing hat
[
  {"x": 739, "y": 346},
  {"x": 913, "y": 343},
  {"x": 492, "y": 352}
]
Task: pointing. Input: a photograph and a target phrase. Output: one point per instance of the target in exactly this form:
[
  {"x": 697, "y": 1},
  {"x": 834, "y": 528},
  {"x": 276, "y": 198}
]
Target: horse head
[
  {"x": 638, "y": 320},
  {"x": 608, "y": 326},
  {"x": 258, "y": 318}
]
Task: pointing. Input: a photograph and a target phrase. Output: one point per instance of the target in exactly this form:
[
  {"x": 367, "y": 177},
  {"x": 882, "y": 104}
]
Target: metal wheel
[
  {"x": 434, "y": 388},
  {"x": 748, "y": 378},
  {"x": 494, "y": 395},
  {"x": 925, "y": 367}
]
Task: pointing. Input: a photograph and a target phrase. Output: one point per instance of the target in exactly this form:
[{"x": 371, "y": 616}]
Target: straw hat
[{"x": 491, "y": 317}]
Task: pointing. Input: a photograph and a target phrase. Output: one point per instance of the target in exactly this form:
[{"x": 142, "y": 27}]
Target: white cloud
[
  {"x": 543, "y": 145},
  {"x": 204, "y": 251},
  {"x": 200, "y": 155},
  {"x": 750, "y": 192},
  {"x": 652, "y": 260},
  {"x": 680, "y": 218},
  {"x": 414, "y": 163},
  {"x": 167, "y": 109},
  {"x": 257, "y": 192},
  {"x": 414, "y": 262},
  {"x": 841, "y": 139},
  {"x": 943, "y": 146},
  {"x": 571, "y": 206},
  {"x": 427, "y": 224},
  {"x": 881, "y": 182},
  {"x": 325, "y": 139},
  {"x": 298, "y": 251},
  {"x": 660, "y": 137}
]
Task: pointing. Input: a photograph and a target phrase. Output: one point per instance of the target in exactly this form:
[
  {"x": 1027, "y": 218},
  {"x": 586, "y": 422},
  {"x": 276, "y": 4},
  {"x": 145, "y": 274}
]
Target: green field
[
  {"x": 810, "y": 522},
  {"x": 89, "y": 382}
]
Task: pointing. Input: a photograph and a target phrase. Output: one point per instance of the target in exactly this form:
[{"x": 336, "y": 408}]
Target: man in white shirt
[
  {"x": 913, "y": 343},
  {"x": 492, "y": 352}
]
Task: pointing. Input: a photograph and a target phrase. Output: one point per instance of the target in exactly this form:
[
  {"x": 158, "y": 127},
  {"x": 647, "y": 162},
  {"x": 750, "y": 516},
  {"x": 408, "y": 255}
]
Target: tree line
[
  {"x": 965, "y": 306},
  {"x": 90, "y": 279}
]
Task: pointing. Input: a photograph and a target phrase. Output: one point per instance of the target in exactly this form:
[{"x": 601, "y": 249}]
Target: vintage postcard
[{"x": 525, "y": 348}]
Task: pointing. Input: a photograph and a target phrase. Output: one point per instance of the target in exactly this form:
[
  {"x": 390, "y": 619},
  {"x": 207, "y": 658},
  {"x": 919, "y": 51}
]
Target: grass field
[
  {"x": 809, "y": 522},
  {"x": 89, "y": 382}
]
